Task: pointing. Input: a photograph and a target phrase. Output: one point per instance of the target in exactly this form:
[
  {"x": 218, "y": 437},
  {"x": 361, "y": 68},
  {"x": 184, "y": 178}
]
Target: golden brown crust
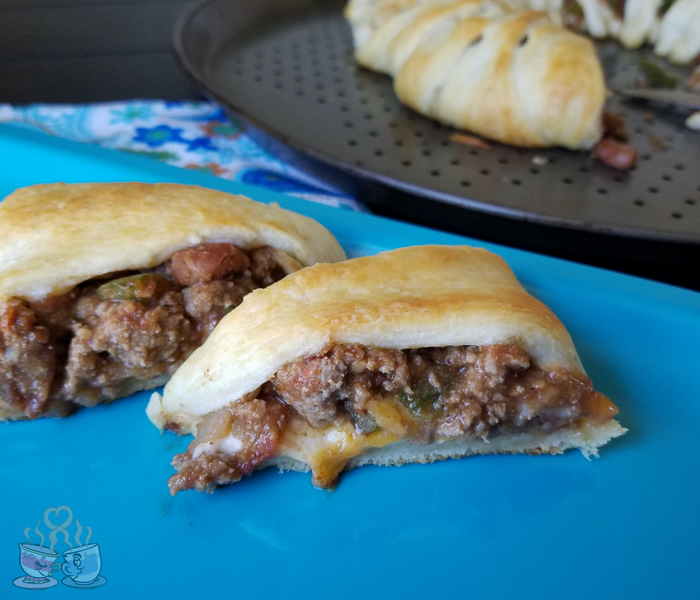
[
  {"x": 413, "y": 297},
  {"x": 53, "y": 237},
  {"x": 516, "y": 77}
]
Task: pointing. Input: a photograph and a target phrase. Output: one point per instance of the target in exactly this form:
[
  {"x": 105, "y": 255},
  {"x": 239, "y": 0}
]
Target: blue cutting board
[{"x": 624, "y": 526}]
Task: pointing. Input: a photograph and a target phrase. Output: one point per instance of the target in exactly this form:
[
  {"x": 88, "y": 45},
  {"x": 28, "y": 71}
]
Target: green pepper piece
[
  {"x": 229, "y": 308},
  {"x": 425, "y": 405},
  {"x": 655, "y": 76},
  {"x": 136, "y": 288},
  {"x": 363, "y": 423}
]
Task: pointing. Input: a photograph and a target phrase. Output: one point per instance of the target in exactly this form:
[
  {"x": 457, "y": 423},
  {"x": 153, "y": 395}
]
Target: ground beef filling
[
  {"x": 109, "y": 337},
  {"x": 445, "y": 392}
]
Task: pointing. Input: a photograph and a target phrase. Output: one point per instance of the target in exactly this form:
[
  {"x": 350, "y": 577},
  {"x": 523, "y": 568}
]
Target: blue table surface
[{"x": 622, "y": 526}]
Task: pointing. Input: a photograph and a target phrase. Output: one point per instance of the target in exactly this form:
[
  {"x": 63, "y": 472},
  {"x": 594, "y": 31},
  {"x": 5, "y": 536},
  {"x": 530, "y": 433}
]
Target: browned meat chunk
[
  {"x": 27, "y": 359},
  {"x": 252, "y": 428},
  {"x": 206, "y": 262},
  {"x": 116, "y": 342},
  {"x": 614, "y": 154},
  {"x": 264, "y": 267},
  {"x": 446, "y": 392},
  {"x": 452, "y": 391},
  {"x": 122, "y": 331},
  {"x": 207, "y": 303}
]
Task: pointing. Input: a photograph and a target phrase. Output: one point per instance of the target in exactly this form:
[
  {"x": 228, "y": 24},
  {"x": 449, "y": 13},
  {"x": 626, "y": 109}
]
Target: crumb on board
[{"x": 469, "y": 140}]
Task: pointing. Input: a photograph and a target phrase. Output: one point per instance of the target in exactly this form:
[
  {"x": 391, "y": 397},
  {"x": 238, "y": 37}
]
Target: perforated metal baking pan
[{"x": 287, "y": 66}]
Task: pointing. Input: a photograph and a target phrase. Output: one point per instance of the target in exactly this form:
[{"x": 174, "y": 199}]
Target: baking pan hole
[
  {"x": 427, "y": 153},
  {"x": 474, "y": 152},
  {"x": 320, "y": 86},
  {"x": 398, "y": 143},
  {"x": 583, "y": 169},
  {"x": 373, "y": 134},
  {"x": 503, "y": 161},
  {"x": 618, "y": 178},
  {"x": 299, "y": 79},
  {"x": 418, "y": 134},
  {"x": 465, "y": 183},
  {"x": 639, "y": 202},
  {"x": 638, "y": 130},
  {"x": 602, "y": 191},
  {"x": 344, "y": 108},
  {"x": 485, "y": 172},
  {"x": 321, "y": 100},
  {"x": 300, "y": 93},
  {"x": 690, "y": 201},
  {"x": 258, "y": 79},
  {"x": 516, "y": 182},
  {"x": 666, "y": 177},
  {"x": 679, "y": 167},
  {"x": 340, "y": 94},
  {"x": 435, "y": 173},
  {"x": 654, "y": 190},
  {"x": 348, "y": 124},
  {"x": 535, "y": 171},
  {"x": 445, "y": 143},
  {"x": 393, "y": 125},
  {"x": 368, "y": 116},
  {"x": 454, "y": 162},
  {"x": 646, "y": 156},
  {"x": 387, "y": 108},
  {"x": 363, "y": 100},
  {"x": 359, "y": 163},
  {"x": 379, "y": 153},
  {"x": 568, "y": 180},
  {"x": 677, "y": 215},
  {"x": 406, "y": 163},
  {"x": 352, "y": 142}
]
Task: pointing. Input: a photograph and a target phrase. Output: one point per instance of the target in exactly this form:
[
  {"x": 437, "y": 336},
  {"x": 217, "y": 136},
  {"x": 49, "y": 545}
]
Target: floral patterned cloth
[{"x": 193, "y": 135}]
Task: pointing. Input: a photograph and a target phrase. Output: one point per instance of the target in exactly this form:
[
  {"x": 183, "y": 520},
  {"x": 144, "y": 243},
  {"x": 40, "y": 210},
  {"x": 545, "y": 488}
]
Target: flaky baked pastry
[
  {"x": 673, "y": 26},
  {"x": 106, "y": 288},
  {"x": 515, "y": 77},
  {"x": 413, "y": 355}
]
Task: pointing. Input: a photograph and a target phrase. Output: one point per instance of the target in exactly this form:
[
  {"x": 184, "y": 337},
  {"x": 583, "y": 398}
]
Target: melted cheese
[{"x": 328, "y": 450}]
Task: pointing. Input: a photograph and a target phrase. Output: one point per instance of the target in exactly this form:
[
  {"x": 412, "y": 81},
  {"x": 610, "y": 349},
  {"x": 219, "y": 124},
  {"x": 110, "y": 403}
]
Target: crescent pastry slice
[
  {"x": 512, "y": 76},
  {"x": 413, "y": 355},
  {"x": 105, "y": 289},
  {"x": 679, "y": 33},
  {"x": 641, "y": 19}
]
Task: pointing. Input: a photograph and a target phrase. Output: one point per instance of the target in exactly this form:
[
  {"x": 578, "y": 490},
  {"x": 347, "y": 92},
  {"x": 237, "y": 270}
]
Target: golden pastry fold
[
  {"x": 516, "y": 77},
  {"x": 412, "y": 355},
  {"x": 106, "y": 288}
]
